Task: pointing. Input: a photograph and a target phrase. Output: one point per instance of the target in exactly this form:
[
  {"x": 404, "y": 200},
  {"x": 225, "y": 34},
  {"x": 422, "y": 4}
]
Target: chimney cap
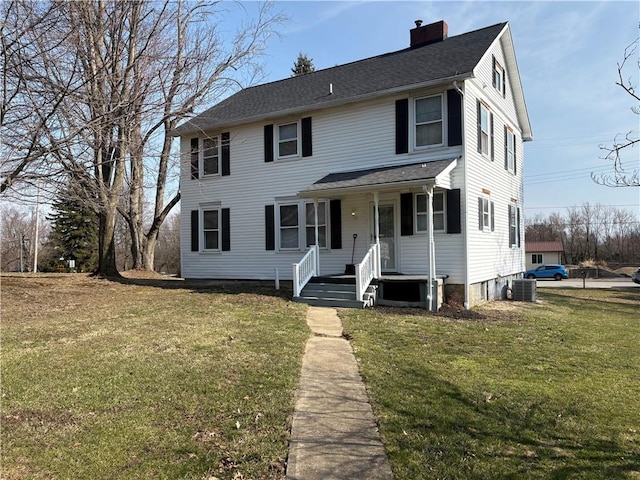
[{"x": 418, "y": 23}]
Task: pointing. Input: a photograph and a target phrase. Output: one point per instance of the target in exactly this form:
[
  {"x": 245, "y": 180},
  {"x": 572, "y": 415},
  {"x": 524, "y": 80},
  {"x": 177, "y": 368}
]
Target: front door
[{"x": 388, "y": 242}]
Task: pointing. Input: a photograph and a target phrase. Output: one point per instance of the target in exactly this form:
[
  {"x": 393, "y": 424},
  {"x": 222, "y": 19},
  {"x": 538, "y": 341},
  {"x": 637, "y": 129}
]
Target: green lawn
[
  {"x": 107, "y": 380},
  {"x": 102, "y": 380},
  {"x": 535, "y": 391}
]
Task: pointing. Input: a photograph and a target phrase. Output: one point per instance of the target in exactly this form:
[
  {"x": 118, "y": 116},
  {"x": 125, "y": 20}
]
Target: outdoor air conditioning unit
[{"x": 524, "y": 290}]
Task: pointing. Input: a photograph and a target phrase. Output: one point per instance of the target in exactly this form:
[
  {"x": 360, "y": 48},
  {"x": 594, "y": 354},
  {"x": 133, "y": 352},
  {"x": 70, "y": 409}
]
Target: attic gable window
[
  {"x": 499, "y": 81},
  {"x": 428, "y": 120}
]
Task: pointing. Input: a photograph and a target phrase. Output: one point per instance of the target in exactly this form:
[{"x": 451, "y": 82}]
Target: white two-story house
[{"x": 402, "y": 170}]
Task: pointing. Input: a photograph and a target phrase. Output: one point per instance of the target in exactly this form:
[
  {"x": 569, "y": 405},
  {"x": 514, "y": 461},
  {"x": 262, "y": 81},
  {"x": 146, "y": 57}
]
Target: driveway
[{"x": 622, "y": 282}]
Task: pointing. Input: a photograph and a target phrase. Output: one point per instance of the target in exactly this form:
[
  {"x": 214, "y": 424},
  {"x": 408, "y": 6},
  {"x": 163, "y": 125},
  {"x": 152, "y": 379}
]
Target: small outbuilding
[{"x": 539, "y": 253}]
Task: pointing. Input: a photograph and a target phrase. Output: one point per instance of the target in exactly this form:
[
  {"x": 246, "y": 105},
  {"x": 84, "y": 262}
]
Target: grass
[
  {"x": 106, "y": 380},
  {"x": 536, "y": 391}
]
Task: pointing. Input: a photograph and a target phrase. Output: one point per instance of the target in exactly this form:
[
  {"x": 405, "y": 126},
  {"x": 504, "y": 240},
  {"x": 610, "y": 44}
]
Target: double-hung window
[
  {"x": 428, "y": 117},
  {"x": 210, "y": 155},
  {"x": 297, "y": 225},
  {"x": 485, "y": 214},
  {"x": 289, "y": 227},
  {"x": 422, "y": 218},
  {"x": 510, "y": 150},
  {"x": 514, "y": 221},
  {"x": 536, "y": 258},
  {"x": 485, "y": 129},
  {"x": 211, "y": 229},
  {"x": 499, "y": 80},
  {"x": 288, "y": 136},
  {"x": 311, "y": 224}
]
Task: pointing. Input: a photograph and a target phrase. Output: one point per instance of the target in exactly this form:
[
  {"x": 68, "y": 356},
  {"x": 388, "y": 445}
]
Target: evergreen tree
[
  {"x": 302, "y": 65},
  {"x": 74, "y": 233}
]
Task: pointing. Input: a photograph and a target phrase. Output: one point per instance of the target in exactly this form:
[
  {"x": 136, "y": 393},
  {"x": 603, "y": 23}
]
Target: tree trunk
[{"x": 106, "y": 246}]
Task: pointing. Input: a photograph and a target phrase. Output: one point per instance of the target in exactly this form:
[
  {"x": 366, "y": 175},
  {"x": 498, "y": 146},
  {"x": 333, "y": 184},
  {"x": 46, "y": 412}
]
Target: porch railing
[
  {"x": 367, "y": 270},
  {"x": 305, "y": 270}
]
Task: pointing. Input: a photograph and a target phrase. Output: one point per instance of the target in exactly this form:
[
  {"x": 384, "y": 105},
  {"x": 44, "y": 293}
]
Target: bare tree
[
  {"x": 96, "y": 83},
  {"x": 624, "y": 176}
]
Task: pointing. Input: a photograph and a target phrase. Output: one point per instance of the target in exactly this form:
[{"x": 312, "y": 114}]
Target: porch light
[{"x": 353, "y": 213}]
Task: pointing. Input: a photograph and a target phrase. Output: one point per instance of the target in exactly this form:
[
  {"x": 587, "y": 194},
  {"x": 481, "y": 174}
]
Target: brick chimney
[{"x": 427, "y": 34}]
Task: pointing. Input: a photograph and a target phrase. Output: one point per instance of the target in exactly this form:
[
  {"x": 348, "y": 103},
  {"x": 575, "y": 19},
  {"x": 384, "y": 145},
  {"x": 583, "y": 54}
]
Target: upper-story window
[
  {"x": 499, "y": 80},
  {"x": 288, "y": 137},
  {"x": 210, "y": 155},
  {"x": 428, "y": 117},
  {"x": 510, "y": 150},
  {"x": 485, "y": 131}
]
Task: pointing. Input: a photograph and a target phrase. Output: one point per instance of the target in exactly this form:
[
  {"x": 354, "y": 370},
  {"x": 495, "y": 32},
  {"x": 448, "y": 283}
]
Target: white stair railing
[
  {"x": 366, "y": 271},
  {"x": 305, "y": 270}
]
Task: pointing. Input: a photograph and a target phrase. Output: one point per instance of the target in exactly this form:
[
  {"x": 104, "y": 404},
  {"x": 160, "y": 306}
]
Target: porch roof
[{"x": 383, "y": 178}]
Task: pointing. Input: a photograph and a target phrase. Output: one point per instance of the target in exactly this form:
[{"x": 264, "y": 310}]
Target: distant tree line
[{"x": 590, "y": 232}]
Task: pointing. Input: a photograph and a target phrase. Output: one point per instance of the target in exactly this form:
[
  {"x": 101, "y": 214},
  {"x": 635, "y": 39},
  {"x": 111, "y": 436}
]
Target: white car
[{"x": 635, "y": 277}]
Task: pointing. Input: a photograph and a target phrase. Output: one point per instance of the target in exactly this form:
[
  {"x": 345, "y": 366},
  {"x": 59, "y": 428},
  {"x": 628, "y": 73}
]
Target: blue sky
[{"x": 567, "y": 54}]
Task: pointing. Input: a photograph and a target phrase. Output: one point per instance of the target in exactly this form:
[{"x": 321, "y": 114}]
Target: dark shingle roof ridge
[
  {"x": 373, "y": 57},
  {"x": 451, "y": 58}
]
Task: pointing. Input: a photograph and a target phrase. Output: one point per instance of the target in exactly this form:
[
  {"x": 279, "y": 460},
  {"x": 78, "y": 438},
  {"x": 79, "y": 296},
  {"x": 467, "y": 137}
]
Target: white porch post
[
  {"x": 317, "y": 235},
  {"x": 376, "y": 229},
  {"x": 431, "y": 247}
]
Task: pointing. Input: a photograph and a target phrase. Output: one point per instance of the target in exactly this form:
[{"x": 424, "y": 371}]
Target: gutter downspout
[{"x": 467, "y": 302}]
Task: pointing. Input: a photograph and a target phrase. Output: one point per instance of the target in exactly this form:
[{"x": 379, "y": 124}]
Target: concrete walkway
[{"x": 334, "y": 435}]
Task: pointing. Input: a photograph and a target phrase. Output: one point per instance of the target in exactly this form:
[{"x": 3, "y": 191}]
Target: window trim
[
  {"x": 514, "y": 226},
  {"x": 298, "y": 139},
  {"x": 442, "y": 212},
  {"x": 320, "y": 224},
  {"x": 536, "y": 256},
  {"x": 280, "y": 227},
  {"x": 414, "y": 123}
]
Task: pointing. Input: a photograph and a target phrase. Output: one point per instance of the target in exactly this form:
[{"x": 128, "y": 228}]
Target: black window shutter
[
  {"x": 480, "y": 214},
  {"x": 226, "y": 232},
  {"x": 194, "y": 158},
  {"x": 491, "y": 136},
  {"x": 268, "y": 143},
  {"x": 518, "y": 225},
  {"x": 335, "y": 212},
  {"x": 454, "y": 116},
  {"x": 453, "y": 211},
  {"x": 504, "y": 83},
  {"x": 195, "y": 231},
  {"x": 506, "y": 148},
  {"x": 226, "y": 151},
  {"x": 493, "y": 223},
  {"x": 269, "y": 227},
  {"x": 402, "y": 126},
  {"x": 493, "y": 71},
  {"x": 515, "y": 168},
  {"x": 307, "y": 149},
  {"x": 479, "y": 109},
  {"x": 406, "y": 214}
]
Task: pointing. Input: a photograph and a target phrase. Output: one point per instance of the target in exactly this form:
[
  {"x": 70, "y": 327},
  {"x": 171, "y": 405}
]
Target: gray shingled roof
[
  {"x": 454, "y": 57},
  {"x": 371, "y": 177}
]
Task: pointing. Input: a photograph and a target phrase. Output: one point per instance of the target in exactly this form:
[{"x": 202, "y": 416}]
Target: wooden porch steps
[{"x": 339, "y": 294}]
